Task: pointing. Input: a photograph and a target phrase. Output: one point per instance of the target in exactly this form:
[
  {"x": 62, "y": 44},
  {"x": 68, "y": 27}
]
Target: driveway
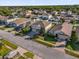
[{"x": 38, "y": 49}]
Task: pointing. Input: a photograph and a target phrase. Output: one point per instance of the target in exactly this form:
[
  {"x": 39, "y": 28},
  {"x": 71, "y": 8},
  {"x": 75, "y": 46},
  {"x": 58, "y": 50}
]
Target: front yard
[
  {"x": 9, "y": 44},
  {"x": 45, "y": 40},
  {"x": 4, "y": 50},
  {"x": 23, "y": 31}
]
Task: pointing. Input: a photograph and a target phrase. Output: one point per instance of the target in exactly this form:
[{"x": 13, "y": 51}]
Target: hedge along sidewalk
[
  {"x": 13, "y": 46},
  {"x": 45, "y": 42},
  {"x": 71, "y": 52}
]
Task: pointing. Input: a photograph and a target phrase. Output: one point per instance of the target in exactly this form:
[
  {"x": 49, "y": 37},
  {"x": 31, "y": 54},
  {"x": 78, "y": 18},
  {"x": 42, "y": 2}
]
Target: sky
[{"x": 37, "y": 2}]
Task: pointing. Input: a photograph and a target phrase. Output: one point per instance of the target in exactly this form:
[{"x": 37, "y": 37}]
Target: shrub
[
  {"x": 71, "y": 52},
  {"x": 44, "y": 42}
]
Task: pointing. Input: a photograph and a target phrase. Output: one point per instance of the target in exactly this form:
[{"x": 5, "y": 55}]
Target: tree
[
  {"x": 74, "y": 36},
  {"x": 1, "y": 44}
]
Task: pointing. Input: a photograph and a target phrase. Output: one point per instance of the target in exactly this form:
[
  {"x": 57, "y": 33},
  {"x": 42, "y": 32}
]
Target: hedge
[
  {"x": 9, "y": 44},
  {"x": 44, "y": 42},
  {"x": 71, "y": 52}
]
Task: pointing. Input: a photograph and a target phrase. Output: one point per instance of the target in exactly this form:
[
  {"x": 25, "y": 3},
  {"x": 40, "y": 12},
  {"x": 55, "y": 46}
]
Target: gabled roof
[
  {"x": 46, "y": 23},
  {"x": 3, "y": 17},
  {"x": 67, "y": 28},
  {"x": 20, "y": 21}
]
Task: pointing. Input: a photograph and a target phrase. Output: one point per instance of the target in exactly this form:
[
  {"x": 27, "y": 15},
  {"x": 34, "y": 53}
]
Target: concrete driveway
[{"x": 38, "y": 49}]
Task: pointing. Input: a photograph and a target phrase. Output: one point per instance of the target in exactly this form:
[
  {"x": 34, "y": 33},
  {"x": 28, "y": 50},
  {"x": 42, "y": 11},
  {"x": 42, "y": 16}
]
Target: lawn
[
  {"x": 29, "y": 55},
  {"x": 9, "y": 44},
  {"x": 50, "y": 38},
  {"x": 25, "y": 30},
  {"x": 2, "y": 28},
  {"x": 4, "y": 51}
]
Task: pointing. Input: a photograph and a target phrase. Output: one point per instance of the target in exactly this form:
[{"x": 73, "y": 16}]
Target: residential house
[
  {"x": 62, "y": 32},
  {"x": 39, "y": 27},
  {"x": 19, "y": 23},
  {"x": 3, "y": 20},
  {"x": 47, "y": 25},
  {"x": 43, "y": 17},
  {"x": 56, "y": 29},
  {"x": 28, "y": 13},
  {"x": 55, "y": 20}
]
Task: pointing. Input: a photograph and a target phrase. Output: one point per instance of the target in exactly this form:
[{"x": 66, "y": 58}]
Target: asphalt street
[{"x": 38, "y": 49}]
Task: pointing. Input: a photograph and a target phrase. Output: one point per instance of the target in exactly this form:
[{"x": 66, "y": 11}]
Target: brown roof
[
  {"x": 46, "y": 23},
  {"x": 57, "y": 27},
  {"x": 67, "y": 28},
  {"x": 20, "y": 21},
  {"x": 3, "y": 17}
]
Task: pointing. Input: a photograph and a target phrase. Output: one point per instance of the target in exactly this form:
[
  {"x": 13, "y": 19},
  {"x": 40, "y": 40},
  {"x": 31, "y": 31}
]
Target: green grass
[
  {"x": 46, "y": 43},
  {"x": 50, "y": 38},
  {"x": 9, "y": 44},
  {"x": 2, "y": 28},
  {"x": 25, "y": 30},
  {"x": 4, "y": 51},
  {"x": 29, "y": 55},
  {"x": 21, "y": 57}
]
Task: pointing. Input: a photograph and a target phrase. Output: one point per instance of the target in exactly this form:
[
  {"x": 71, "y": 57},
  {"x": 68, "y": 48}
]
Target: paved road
[{"x": 40, "y": 50}]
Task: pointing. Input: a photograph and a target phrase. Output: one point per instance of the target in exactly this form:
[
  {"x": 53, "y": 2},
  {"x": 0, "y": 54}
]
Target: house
[
  {"x": 69, "y": 12},
  {"x": 47, "y": 25},
  {"x": 63, "y": 12},
  {"x": 3, "y": 20},
  {"x": 55, "y": 30},
  {"x": 62, "y": 32},
  {"x": 28, "y": 13},
  {"x": 55, "y": 20},
  {"x": 44, "y": 17},
  {"x": 39, "y": 27},
  {"x": 65, "y": 32},
  {"x": 19, "y": 23},
  {"x": 76, "y": 17}
]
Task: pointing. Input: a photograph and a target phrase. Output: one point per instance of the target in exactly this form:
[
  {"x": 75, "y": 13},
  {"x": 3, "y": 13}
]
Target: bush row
[
  {"x": 71, "y": 52},
  {"x": 44, "y": 42}
]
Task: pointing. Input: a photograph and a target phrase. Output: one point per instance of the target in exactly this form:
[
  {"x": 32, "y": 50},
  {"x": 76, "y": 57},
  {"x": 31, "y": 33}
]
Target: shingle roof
[
  {"x": 67, "y": 28},
  {"x": 20, "y": 21},
  {"x": 3, "y": 17}
]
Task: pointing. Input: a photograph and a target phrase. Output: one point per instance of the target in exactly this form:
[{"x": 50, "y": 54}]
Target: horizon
[{"x": 37, "y": 2}]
